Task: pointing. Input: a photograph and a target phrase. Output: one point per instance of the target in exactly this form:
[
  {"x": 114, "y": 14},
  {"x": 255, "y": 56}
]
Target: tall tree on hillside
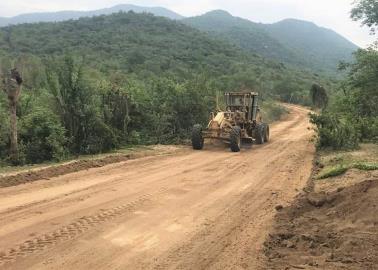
[
  {"x": 367, "y": 12},
  {"x": 319, "y": 96},
  {"x": 11, "y": 85}
]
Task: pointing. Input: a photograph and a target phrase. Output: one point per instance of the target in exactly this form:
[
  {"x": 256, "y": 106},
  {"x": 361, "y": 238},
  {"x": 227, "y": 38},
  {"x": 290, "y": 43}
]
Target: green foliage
[
  {"x": 134, "y": 43},
  {"x": 76, "y": 101},
  {"x": 366, "y": 11},
  {"x": 143, "y": 46},
  {"x": 319, "y": 96},
  {"x": 340, "y": 169},
  {"x": 353, "y": 114},
  {"x": 42, "y": 137},
  {"x": 166, "y": 111},
  {"x": 115, "y": 107},
  {"x": 366, "y": 166},
  {"x": 94, "y": 84},
  {"x": 336, "y": 131},
  {"x": 333, "y": 172},
  {"x": 4, "y": 131}
]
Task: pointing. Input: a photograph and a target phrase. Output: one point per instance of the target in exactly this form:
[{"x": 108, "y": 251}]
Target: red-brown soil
[
  {"x": 328, "y": 230},
  {"x": 209, "y": 209}
]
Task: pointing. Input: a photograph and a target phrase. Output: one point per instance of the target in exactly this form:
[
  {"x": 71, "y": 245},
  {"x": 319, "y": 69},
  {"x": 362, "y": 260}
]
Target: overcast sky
[{"x": 332, "y": 14}]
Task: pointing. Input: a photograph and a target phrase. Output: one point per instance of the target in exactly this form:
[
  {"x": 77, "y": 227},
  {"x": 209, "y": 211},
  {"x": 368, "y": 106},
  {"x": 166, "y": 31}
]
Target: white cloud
[{"x": 332, "y": 14}]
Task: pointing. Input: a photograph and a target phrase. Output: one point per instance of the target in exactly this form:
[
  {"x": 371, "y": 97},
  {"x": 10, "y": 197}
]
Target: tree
[
  {"x": 12, "y": 88},
  {"x": 115, "y": 107},
  {"x": 77, "y": 103},
  {"x": 42, "y": 137},
  {"x": 367, "y": 12},
  {"x": 319, "y": 96}
]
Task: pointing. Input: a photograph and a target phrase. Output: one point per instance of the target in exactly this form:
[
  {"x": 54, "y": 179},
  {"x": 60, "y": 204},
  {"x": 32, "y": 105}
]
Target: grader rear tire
[
  {"x": 235, "y": 139},
  {"x": 197, "y": 139},
  {"x": 260, "y": 134},
  {"x": 266, "y": 133}
]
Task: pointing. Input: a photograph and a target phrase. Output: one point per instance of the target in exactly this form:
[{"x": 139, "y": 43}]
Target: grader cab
[{"x": 240, "y": 122}]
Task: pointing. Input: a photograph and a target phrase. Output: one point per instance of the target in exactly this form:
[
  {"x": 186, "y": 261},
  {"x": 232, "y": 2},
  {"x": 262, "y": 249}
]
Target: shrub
[
  {"x": 42, "y": 137},
  {"x": 100, "y": 138},
  {"x": 369, "y": 128},
  {"x": 333, "y": 171},
  {"x": 336, "y": 132},
  {"x": 366, "y": 166}
]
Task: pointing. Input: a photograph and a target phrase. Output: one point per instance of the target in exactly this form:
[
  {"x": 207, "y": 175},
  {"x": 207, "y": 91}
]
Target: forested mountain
[
  {"x": 246, "y": 34},
  {"x": 128, "y": 42},
  {"x": 322, "y": 47},
  {"x": 132, "y": 43},
  {"x": 71, "y": 15},
  {"x": 294, "y": 42},
  {"x": 95, "y": 83}
]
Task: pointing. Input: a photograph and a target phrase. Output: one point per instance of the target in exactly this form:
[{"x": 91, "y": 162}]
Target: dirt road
[{"x": 209, "y": 209}]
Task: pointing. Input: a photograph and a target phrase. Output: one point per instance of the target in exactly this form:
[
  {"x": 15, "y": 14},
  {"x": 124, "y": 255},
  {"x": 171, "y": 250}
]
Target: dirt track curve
[{"x": 209, "y": 209}]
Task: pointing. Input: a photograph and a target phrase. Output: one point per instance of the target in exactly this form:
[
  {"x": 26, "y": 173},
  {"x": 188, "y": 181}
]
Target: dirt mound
[
  {"x": 53, "y": 171},
  {"x": 335, "y": 230}
]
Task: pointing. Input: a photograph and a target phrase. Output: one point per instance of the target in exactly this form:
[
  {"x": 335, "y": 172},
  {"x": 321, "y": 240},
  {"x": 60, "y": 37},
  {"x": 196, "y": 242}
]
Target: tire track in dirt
[
  {"x": 196, "y": 210},
  {"x": 221, "y": 230},
  {"x": 74, "y": 229}
]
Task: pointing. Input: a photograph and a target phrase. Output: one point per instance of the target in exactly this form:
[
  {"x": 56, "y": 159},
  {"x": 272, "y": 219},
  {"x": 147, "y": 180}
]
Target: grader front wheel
[
  {"x": 235, "y": 139},
  {"x": 197, "y": 139}
]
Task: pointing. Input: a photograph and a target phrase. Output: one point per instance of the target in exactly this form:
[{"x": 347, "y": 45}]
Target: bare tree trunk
[
  {"x": 12, "y": 87},
  {"x": 13, "y": 132}
]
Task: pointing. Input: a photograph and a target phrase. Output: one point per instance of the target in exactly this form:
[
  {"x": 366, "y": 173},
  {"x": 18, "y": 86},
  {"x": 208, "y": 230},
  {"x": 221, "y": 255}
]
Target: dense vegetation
[
  {"x": 74, "y": 15},
  {"x": 290, "y": 41},
  {"x": 352, "y": 116},
  {"x": 95, "y": 84}
]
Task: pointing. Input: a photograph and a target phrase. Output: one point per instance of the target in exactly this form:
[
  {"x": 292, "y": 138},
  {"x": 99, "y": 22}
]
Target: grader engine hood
[
  {"x": 221, "y": 120},
  {"x": 217, "y": 121}
]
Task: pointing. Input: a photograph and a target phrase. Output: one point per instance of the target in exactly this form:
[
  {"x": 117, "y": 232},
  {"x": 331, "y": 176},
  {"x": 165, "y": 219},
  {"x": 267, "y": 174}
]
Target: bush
[
  {"x": 336, "y": 132},
  {"x": 369, "y": 129},
  {"x": 333, "y": 171},
  {"x": 366, "y": 166},
  {"x": 41, "y": 137},
  {"x": 100, "y": 138}
]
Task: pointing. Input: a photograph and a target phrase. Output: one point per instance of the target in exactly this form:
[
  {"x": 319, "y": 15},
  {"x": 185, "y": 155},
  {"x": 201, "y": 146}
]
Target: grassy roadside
[
  {"x": 7, "y": 169},
  {"x": 272, "y": 111},
  {"x": 335, "y": 163},
  {"x": 23, "y": 175}
]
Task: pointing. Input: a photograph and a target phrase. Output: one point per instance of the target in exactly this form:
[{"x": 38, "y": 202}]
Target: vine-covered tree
[{"x": 12, "y": 88}]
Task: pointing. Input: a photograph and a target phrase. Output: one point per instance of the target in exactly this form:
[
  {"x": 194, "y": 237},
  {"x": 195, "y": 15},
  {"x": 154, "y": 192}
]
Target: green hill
[
  {"x": 293, "y": 42},
  {"x": 73, "y": 15},
  {"x": 145, "y": 46},
  {"x": 93, "y": 84},
  {"x": 142, "y": 44},
  {"x": 323, "y": 48},
  {"x": 246, "y": 34},
  {"x": 123, "y": 41}
]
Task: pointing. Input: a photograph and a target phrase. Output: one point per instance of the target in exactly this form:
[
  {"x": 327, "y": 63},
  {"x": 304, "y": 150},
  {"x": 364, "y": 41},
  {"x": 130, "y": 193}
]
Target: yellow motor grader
[{"x": 240, "y": 122}]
